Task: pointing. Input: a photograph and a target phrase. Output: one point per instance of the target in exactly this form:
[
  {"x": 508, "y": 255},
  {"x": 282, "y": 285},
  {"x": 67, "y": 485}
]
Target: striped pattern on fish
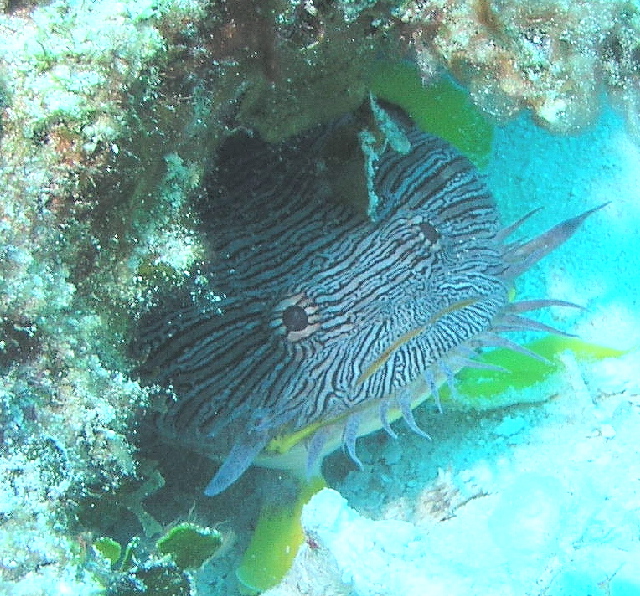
[{"x": 325, "y": 313}]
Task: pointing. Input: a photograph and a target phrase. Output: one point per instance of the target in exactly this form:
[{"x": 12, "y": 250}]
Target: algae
[
  {"x": 109, "y": 549},
  {"x": 189, "y": 545},
  {"x": 440, "y": 107},
  {"x": 160, "y": 572},
  {"x": 482, "y": 389},
  {"x": 276, "y": 540}
]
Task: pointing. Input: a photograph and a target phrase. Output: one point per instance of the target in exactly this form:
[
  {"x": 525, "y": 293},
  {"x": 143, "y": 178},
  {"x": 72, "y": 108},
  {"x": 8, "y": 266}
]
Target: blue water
[{"x": 598, "y": 267}]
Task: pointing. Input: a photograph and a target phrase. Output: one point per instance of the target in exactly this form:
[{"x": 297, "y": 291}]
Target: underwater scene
[{"x": 320, "y": 297}]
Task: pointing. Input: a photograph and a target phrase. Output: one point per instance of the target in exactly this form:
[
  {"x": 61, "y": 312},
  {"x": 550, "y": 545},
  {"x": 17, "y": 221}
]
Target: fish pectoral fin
[{"x": 236, "y": 463}]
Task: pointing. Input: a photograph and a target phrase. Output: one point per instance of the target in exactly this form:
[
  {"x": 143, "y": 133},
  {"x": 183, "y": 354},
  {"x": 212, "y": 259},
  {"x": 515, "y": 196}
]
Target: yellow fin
[{"x": 283, "y": 443}]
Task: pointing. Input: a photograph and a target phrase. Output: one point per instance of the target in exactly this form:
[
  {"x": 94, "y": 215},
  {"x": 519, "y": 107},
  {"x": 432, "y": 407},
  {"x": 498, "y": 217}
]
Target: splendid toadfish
[{"x": 322, "y": 320}]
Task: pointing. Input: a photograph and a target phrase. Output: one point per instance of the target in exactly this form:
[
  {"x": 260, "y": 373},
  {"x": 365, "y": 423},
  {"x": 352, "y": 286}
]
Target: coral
[
  {"x": 320, "y": 69},
  {"x": 621, "y": 54},
  {"x": 109, "y": 113},
  {"x": 553, "y": 57},
  {"x": 71, "y": 75}
]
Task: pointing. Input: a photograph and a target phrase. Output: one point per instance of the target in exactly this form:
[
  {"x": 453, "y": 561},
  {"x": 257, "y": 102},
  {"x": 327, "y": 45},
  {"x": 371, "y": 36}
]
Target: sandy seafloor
[{"x": 537, "y": 499}]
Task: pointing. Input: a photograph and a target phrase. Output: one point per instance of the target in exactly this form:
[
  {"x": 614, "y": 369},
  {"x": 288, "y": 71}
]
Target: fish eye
[
  {"x": 431, "y": 235},
  {"x": 295, "y": 318}
]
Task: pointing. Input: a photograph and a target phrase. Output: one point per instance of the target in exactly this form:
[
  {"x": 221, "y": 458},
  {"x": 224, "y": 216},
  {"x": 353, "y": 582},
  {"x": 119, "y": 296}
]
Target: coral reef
[
  {"x": 555, "y": 58},
  {"x": 71, "y": 76},
  {"x": 109, "y": 113}
]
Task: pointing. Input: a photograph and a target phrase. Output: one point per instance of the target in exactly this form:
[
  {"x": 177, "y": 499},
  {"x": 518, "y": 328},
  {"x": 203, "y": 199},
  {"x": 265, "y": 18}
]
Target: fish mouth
[
  {"x": 293, "y": 451},
  {"x": 304, "y": 449},
  {"x": 406, "y": 337},
  {"x": 301, "y": 452}
]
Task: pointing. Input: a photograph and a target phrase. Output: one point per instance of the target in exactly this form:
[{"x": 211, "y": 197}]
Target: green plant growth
[
  {"x": 440, "y": 107},
  {"x": 162, "y": 573},
  {"x": 189, "y": 545},
  {"x": 109, "y": 549},
  {"x": 276, "y": 540},
  {"x": 482, "y": 389}
]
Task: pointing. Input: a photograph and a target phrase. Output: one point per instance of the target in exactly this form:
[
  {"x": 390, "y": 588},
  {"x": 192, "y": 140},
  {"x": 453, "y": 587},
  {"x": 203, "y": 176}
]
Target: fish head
[{"x": 323, "y": 319}]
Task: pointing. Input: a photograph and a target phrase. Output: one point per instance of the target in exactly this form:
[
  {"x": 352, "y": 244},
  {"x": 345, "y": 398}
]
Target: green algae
[
  {"x": 186, "y": 546},
  {"x": 189, "y": 545},
  {"x": 440, "y": 107},
  {"x": 276, "y": 540},
  {"x": 482, "y": 389},
  {"x": 109, "y": 548}
]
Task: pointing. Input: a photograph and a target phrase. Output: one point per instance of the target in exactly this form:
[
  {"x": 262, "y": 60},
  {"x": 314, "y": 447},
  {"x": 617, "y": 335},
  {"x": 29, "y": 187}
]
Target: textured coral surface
[{"x": 110, "y": 112}]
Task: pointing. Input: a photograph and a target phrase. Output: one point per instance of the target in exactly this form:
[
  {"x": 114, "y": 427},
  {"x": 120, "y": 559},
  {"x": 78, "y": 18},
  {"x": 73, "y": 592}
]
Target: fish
[{"x": 342, "y": 289}]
